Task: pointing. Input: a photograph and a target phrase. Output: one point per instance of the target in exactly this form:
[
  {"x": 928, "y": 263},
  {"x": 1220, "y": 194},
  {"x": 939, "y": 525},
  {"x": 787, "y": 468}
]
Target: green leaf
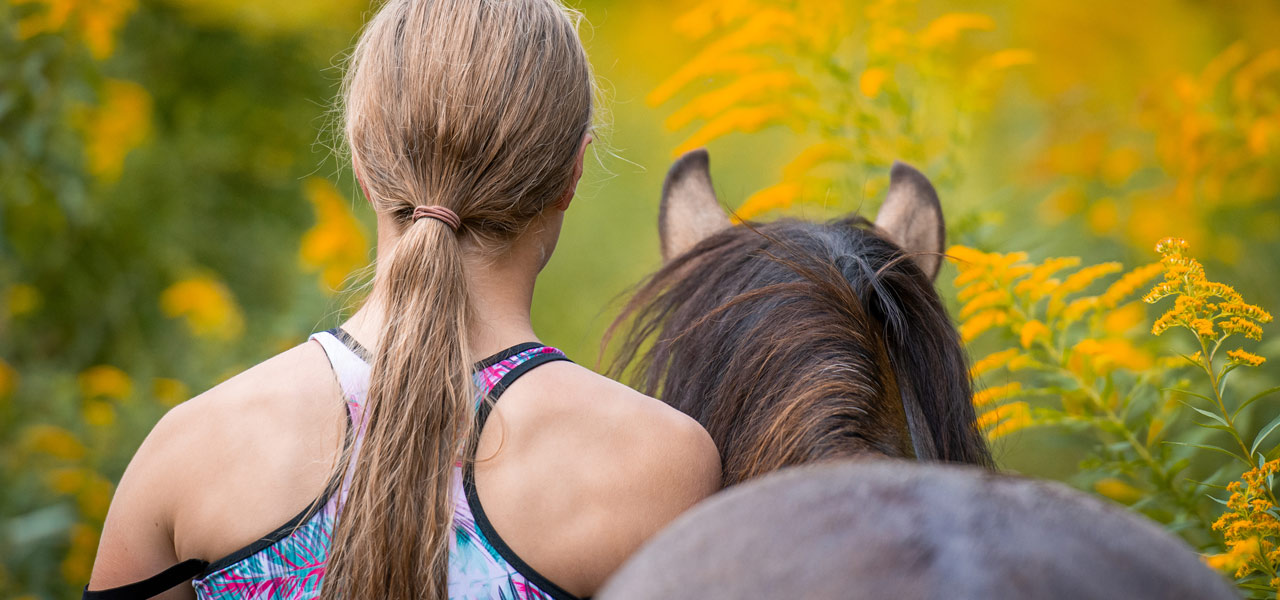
[
  {"x": 1188, "y": 392},
  {"x": 1255, "y": 398},
  {"x": 1215, "y": 416},
  {"x": 1263, "y": 433},
  {"x": 1208, "y": 447}
]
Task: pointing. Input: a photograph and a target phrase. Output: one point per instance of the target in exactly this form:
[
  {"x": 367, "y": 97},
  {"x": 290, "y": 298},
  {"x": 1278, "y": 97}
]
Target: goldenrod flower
[
  {"x": 992, "y": 362},
  {"x": 1032, "y": 331},
  {"x": 336, "y": 245},
  {"x": 170, "y": 392},
  {"x": 105, "y": 380},
  {"x": 774, "y": 197},
  {"x": 1115, "y": 489},
  {"x": 1128, "y": 284},
  {"x": 994, "y": 394},
  {"x": 120, "y": 123},
  {"x": 947, "y": 28},
  {"x": 53, "y": 441},
  {"x": 1245, "y": 358},
  {"x": 981, "y": 322},
  {"x": 872, "y": 80},
  {"x": 206, "y": 305}
]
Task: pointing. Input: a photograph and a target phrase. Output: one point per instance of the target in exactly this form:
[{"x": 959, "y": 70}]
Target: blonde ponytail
[{"x": 478, "y": 106}]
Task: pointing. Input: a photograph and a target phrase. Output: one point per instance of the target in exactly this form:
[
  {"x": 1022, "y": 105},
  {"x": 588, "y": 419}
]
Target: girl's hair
[{"x": 479, "y": 106}]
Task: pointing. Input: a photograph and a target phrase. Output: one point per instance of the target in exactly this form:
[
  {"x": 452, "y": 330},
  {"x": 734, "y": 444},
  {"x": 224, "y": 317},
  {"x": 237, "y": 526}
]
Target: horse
[
  {"x": 793, "y": 342},
  {"x": 870, "y": 529}
]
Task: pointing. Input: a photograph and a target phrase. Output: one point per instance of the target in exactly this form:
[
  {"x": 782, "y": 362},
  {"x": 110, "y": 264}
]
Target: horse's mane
[{"x": 793, "y": 342}]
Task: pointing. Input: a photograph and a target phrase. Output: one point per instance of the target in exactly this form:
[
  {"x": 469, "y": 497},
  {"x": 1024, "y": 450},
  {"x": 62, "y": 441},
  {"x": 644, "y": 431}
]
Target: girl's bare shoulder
[{"x": 588, "y": 469}]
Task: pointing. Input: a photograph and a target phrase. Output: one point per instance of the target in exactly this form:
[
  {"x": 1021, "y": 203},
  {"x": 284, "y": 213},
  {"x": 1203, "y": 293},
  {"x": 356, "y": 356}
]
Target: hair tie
[{"x": 439, "y": 213}]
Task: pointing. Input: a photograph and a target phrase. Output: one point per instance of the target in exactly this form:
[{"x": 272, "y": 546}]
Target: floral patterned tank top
[{"x": 289, "y": 563}]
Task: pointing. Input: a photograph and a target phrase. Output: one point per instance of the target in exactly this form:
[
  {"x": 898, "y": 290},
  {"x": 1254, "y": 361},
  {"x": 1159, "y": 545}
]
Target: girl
[{"x": 467, "y": 121}]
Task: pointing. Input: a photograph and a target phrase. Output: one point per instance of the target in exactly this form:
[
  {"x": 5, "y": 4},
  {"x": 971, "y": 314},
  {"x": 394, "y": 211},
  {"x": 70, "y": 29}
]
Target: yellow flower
[
  {"x": 95, "y": 21},
  {"x": 170, "y": 392},
  {"x": 813, "y": 156},
  {"x": 78, "y": 563},
  {"x": 1123, "y": 319},
  {"x": 871, "y": 81},
  {"x": 336, "y": 245},
  {"x": 1202, "y": 327},
  {"x": 206, "y": 305},
  {"x": 67, "y": 480},
  {"x": 53, "y": 441},
  {"x": 742, "y": 120},
  {"x": 992, "y": 362},
  {"x": 1245, "y": 358},
  {"x": 984, "y": 301},
  {"x": 1004, "y": 59},
  {"x": 1031, "y": 331},
  {"x": 1118, "y": 490},
  {"x": 981, "y": 322},
  {"x": 1128, "y": 284},
  {"x": 774, "y": 197},
  {"x": 120, "y": 123},
  {"x": 105, "y": 380},
  {"x": 994, "y": 394},
  {"x": 1008, "y": 418},
  {"x": 1084, "y": 277},
  {"x": 947, "y": 28},
  {"x": 754, "y": 87},
  {"x": 94, "y": 497},
  {"x": 703, "y": 67},
  {"x": 1111, "y": 353},
  {"x": 1245, "y": 327}
]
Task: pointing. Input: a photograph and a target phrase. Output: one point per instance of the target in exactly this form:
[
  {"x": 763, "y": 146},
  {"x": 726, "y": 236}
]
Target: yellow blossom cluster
[
  {"x": 206, "y": 305},
  {"x": 767, "y": 63},
  {"x": 336, "y": 245},
  {"x": 1210, "y": 133},
  {"x": 69, "y": 462},
  {"x": 1051, "y": 325},
  {"x": 1213, "y": 311},
  {"x": 119, "y": 123},
  {"x": 94, "y": 21},
  {"x": 1249, "y": 527}
]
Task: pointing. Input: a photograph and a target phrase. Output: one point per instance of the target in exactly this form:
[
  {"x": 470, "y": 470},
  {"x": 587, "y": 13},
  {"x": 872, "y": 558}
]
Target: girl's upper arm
[{"x": 137, "y": 537}]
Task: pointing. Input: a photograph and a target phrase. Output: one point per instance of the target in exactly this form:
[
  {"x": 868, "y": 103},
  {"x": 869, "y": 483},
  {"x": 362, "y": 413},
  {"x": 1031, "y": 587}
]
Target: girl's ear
[
  {"x": 563, "y": 203},
  {"x": 689, "y": 212},
  {"x": 911, "y": 217},
  {"x": 355, "y": 169}
]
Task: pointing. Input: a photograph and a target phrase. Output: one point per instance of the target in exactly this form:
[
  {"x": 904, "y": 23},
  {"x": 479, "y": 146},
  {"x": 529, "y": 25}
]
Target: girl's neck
[{"x": 501, "y": 301}]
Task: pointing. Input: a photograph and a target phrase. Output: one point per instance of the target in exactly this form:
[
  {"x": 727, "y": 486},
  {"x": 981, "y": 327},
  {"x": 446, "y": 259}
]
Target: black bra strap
[
  {"x": 151, "y": 586},
  {"x": 482, "y": 414}
]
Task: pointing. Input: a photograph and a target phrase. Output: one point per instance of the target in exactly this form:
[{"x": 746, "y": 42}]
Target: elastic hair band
[{"x": 439, "y": 213}]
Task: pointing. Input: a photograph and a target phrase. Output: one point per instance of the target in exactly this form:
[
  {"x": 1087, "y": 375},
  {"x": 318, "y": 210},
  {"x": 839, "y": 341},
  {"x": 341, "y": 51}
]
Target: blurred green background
[{"x": 173, "y": 209}]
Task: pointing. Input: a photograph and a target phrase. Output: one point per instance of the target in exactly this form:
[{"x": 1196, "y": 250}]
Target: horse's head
[{"x": 794, "y": 341}]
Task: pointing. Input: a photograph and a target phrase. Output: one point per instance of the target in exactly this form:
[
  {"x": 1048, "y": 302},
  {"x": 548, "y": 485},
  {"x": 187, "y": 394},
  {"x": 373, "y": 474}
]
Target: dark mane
[{"x": 794, "y": 342}]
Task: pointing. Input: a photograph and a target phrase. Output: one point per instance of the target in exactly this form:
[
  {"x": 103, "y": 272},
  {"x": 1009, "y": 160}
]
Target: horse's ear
[
  {"x": 689, "y": 212},
  {"x": 911, "y": 217}
]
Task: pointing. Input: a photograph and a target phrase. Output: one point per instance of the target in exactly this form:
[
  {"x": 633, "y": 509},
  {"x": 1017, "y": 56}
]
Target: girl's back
[{"x": 336, "y": 472}]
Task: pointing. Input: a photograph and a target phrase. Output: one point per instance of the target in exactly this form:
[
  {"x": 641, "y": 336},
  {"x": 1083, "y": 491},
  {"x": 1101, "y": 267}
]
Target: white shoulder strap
[{"x": 351, "y": 370}]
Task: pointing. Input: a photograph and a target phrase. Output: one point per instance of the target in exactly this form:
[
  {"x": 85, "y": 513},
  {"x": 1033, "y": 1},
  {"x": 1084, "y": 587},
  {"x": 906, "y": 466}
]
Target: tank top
[{"x": 289, "y": 563}]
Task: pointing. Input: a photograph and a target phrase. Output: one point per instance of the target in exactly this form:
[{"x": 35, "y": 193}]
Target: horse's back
[{"x": 892, "y": 529}]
